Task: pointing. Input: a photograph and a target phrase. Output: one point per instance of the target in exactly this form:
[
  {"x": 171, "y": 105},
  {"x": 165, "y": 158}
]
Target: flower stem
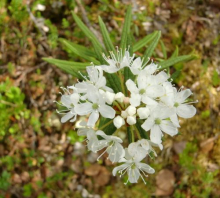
[
  {"x": 105, "y": 125},
  {"x": 122, "y": 81},
  {"x": 137, "y": 132}
]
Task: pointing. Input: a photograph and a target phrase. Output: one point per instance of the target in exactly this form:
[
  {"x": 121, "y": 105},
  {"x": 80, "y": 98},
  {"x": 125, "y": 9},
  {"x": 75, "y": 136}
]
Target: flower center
[
  {"x": 176, "y": 104},
  {"x": 117, "y": 65},
  {"x": 157, "y": 121},
  {"x": 133, "y": 166},
  {"x": 95, "y": 106},
  {"x": 142, "y": 91}
]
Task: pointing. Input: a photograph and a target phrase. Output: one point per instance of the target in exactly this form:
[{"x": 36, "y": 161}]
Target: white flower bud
[
  {"x": 109, "y": 97},
  {"x": 40, "y": 7},
  {"x": 118, "y": 121},
  {"x": 124, "y": 114},
  {"x": 143, "y": 112},
  {"x": 131, "y": 120},
  {"x": 131, "y": 110},
  {"x": 119, "y": 97}
]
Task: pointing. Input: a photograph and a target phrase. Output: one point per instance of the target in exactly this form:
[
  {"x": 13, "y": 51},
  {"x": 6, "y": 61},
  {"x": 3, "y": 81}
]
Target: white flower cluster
[{"x": 151, "y": 98}]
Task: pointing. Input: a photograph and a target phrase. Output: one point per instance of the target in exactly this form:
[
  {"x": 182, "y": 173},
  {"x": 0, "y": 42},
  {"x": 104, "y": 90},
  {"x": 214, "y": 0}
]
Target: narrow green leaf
[
  {"x": 152, "y": 46},
  {"x": 172, "y": 61},
  {"x": 163, "y": 49},
  {"x": 80, "y": 51},
  {"x": 98, "y": 52},
  {"x": 85, "y": 30},
  {"x": 144, "y": 41},
  {"x": 107, "y": 126},
  {"x": 141, "y": 131},
  {"x": 106, "y": 38},
  {"x": 126, "y": 28},
  {"x": 175, "y": 53},
  {"x": 175, "y": 75},
  {"x": 68, "y": 66},
  {"x": 130, "y": 45},
  {"x": 114, "y": 82}
]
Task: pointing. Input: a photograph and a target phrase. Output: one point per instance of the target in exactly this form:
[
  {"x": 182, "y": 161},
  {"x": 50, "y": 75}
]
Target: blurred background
[{"x": 42, "y": 158}]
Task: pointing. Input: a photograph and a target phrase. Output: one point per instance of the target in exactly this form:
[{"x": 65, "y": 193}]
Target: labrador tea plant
[{"x": 121, "y": 89}]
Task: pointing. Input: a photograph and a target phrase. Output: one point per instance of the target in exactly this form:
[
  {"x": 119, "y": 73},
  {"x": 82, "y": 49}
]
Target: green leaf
[
  {"x": 163, "y": 49},
  {"x": 144, "y": 41},
  {"x": 98, "y": 52},
  {"x": 68, "y": 66},
  {"x": 175, "y": 75},
  {"x": 107, "y": 126},
  {"x": 172, "y": 61},
  {"x": 126, "y": 29},
  {"x": 215, "y": 78},
  {"x": 152, "y": 46},
  {"x": 106, "y": 38},
  {"x": 175, "y": 53},
  {"x": 80, "y": 51},
  {"x": 114, "y": 82},
  {"x": 129, "y": 43},
  {"x": 85, "y": 30},
  {"x": 141, "y": 131}
]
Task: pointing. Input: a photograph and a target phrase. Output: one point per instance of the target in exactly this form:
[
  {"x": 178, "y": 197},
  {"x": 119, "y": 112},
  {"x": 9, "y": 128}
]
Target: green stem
[
  {"x": 137, "y": 132},
  {"x": 105, "y": 125},
  {"x": 115, "y": 103},
  {"x": 121, "y": 81}
]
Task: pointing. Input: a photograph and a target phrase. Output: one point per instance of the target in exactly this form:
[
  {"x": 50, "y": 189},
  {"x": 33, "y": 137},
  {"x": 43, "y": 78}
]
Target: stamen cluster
[{"x": 151, "y": 99}]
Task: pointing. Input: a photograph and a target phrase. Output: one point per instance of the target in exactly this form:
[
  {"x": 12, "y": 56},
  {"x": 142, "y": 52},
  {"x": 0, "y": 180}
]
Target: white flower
[
  {"x": 94, "y": 106},
  {"x": 119, "y": 97},
  {"x": 95, "y": 78},
  {"x": 113, "y": 144},
  {"x": 143, "y": 112},
  {"x": 92, "y": 139},
  {"x": 147, "y": 145},
  {"x": 133, "y": 167},
  {"x": 144, "y": 91},
  {"x": 117, "y": 61},
  {"x": 157, "y": 122},
  {"x": 118, "y": 121},
  {"x": 68, "y": 100}
]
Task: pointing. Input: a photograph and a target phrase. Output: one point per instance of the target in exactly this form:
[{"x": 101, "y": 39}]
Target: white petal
[
  {"x": 67, "y": 117},
  {"x": 155, "y": 134},
  {"x": 94, "y": 116},
  {"x": 183, "y": 95},
  {"x": 146, "y": 168},
  {"x": 175, "y": 120},
  {"x": 148, "y": 101},
  {"x": 135, "y": 100},
  {"x": 131, "y": 86},
  {"x": 168, "y": 127},
  {"x": 83, "y": 108},
  {"x": 133, "y": 175},
  {"x": 107, "y": 111},
  {"x": 101, "y": 82},
  {"x": 109, "y": 97},
  {"x": 119, "y": 97},
  {"x": 148, "y": 124},
  {"x": 116, "y": 152},
  {"x": 143, "y": 112},
  {"x": 118, "y": 168},
  {"x": 186, "y": 111},
  {"x": 155, "y": 91}
]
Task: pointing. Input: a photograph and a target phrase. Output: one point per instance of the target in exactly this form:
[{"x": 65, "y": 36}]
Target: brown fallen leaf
[
  {"x": 103, "y": 177},
  {"x": 179, "y": 146},
  {"x": 165, "y": 183},
  {"x": 207, "y": 145},
  {"x": 93, "y": 170}
]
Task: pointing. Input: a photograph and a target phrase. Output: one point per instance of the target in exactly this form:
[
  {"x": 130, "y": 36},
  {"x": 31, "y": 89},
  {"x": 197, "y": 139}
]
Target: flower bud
[
  {"x": 131, "y": 110},
  {"x": 109, "y": 97},
  {"x": 143, "y": 112},
  {"x": 119, "y": 97},
  {"x": 124, "y": 114},
  {"x": 131, "y": 120},
  {"x": 118, "y": 121}
]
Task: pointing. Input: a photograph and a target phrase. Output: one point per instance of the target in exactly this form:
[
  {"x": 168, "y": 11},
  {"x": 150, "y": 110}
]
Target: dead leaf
[
  {"x": 179, "y": 146},
  {"x": 93, "y": 170},
  {"x": 207, "y": 145},
  {"x": 103, "y": 177},
  {"x": 165, "y": 182}
]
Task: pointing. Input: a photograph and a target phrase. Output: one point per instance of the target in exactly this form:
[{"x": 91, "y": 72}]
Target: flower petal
[
  {"x": 148, "y": 124},
  {"x": 131, "y": 86},
  {"x": 67, "y": 117},
  {"x": 83, "y": 108},
  {"x": 175, "y": 120},
  {"x": 106, "y": 111},
  {"x": 155, "y": 134},
  {"x": 94, "y": 116},
  {"x": 133, "y": 175},
  {"x": 155, "y": 91},
  {"x": 168, "y": 127},
  {"x": 146, "y": 168},
  {"x": 135, "y": 100},
  {"x": 118, "y": 168},
  {"x": 186, "y": 111},
  {"x": 183, "y": 95}
]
